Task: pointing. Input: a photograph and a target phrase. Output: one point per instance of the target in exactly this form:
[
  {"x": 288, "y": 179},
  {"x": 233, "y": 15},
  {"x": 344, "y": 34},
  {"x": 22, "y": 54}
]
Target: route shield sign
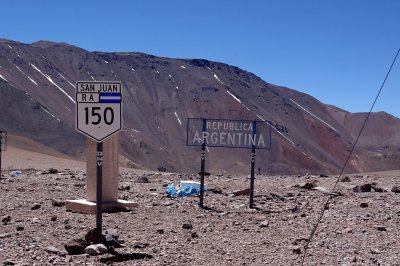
[{"x": 98, "y": 108}]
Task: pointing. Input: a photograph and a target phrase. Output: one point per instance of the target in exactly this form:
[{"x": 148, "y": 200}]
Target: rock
[
  {"x": 396, "y": 189},
  {"x": 20, "y": 228},
  {"x": 375, "y": 251},
  {"x": 296, "y": 249},
  {"x": 52, "y": 249},
  {"x": 243, "y": 192},
  {"x": 142, "y": 179},
  {"x": 36, "y": 206},
  {"x": 364, "y": 205},
  {"x": 77, "y": 245},
  {"x": 375, "y": 187},
  {"x": 96, "y": 249},
  {"x": 67, "y": 226},
  {"x": 381, "y": 228},
  {"x": 187, "y": 226},
  {"x": 160, "y": 231},
  {"x": 53, "y": 218},
  {"x": 323, "y": 175},
  {"x": 5, "y": 219},
  {"x": 57, "y": 203},
  {"x": 124, "y": 186},
  {"x": 307, "y": 185},
  {"x": 345, "y": 179},
  {"x": 113, "y": 233},
  {"x": 216, "y": 190},
  {"x": 140, "y": 245},
  {"x": 5, "y": 235},
  {"x": 264, "y": 224},
  {"x": 92, "y": 237},
  {"x": 111, "y": 242},
  {"x": 194, "y": 235},
  {"x": 362, "y": 188},
  {"x": 49, "y": 171}
]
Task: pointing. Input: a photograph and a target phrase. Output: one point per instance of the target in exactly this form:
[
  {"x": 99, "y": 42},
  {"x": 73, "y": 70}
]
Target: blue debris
[
  {"x": 171, "y": 190},
  {"x": 187, "y": 190}
]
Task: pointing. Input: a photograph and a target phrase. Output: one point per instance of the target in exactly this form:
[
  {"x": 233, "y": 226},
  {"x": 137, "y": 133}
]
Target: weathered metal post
[
  {"x": 203, "y": 163},
  {"x": 253, "y": 159}
]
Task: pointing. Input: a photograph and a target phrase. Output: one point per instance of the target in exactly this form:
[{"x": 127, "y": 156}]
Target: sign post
[
  {"x": 3, "y": 144},
  {"x": 253, "y": 161},
  {"x": 203, "y": 164},
  {"x": 98, "y": 116},
  {"x": 228, "y": 134}
]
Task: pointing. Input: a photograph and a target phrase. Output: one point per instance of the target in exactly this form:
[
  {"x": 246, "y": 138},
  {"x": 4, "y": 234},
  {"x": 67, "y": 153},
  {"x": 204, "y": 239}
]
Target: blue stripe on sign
[
  {"x": 110, "y": 94},
  {"x": 110, "y": 97},
  {"x": 110, "y": 101}
]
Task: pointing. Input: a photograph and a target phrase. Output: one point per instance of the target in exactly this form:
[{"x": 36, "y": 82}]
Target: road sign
[
  {"x": 228, "y": 134},
  {"x": 98, "y": 108}
]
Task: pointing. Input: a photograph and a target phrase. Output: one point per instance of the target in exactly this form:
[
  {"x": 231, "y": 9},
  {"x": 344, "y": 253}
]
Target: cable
[{"x": 324, "y": 207}]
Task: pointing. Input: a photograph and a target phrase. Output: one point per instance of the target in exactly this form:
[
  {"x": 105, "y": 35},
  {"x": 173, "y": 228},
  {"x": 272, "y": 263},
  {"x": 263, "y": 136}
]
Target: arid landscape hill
[{"x": 37, "y": 91}]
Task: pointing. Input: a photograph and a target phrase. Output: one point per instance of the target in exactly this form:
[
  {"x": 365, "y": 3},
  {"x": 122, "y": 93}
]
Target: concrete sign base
[
  {"x": 110, "y": 179},
  {"x": 89, "y": 207}
]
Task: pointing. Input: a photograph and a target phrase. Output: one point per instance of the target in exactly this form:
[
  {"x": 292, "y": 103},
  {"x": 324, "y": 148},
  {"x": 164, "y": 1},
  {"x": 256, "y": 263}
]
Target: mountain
[{"x": 37, "y": 89}]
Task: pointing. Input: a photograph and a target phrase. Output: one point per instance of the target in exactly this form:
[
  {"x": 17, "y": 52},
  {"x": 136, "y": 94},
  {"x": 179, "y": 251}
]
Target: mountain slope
[{"x": 159, "y": 94}]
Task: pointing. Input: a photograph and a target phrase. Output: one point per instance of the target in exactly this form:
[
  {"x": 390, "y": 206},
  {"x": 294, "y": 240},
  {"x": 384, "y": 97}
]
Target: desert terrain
[{"x": 358, "y": 228}]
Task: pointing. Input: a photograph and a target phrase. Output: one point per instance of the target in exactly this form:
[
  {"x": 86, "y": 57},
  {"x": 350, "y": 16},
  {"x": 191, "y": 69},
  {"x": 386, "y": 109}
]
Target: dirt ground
[{"x": 357, "y": 228}]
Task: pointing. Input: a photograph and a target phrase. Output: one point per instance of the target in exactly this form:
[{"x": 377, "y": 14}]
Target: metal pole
[
  {"x": 253, "y": 160},
  {"x": 99, "y": 188},
  {"x": 203, "y": 162}
]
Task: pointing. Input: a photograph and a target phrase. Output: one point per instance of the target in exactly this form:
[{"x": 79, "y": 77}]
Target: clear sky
[{"x": 337, "y": 51}]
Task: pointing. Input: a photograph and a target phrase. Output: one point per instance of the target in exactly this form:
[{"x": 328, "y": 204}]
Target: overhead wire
[{"x": 331, "y": 194}]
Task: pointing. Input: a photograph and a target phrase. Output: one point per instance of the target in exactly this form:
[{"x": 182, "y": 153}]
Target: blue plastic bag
[{"x": 171, "y": 190}]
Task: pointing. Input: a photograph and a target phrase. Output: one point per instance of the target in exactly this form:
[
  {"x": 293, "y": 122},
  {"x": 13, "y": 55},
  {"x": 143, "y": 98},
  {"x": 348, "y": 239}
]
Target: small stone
[
  {"x": 160, "y": 231},
  {"x": 264, "y": 224},
  {"x": 77, "y": 245},
  {"x": 36, "y": 206},
  {"x": 242, "y": 192},
  {"x": 296, "y": 249},
  {"x": 5, "y": 235},
  {"x": 52, "y": 249},
  {"x": 194, "y": 235},
  {"x": 381, "y": 228},
  {"x": 6, "y": 219},
  {"x": 67, "y": 226},
  {"x": 307, "y": 185},
  {"x": 53, "y": 218},
  {"x": 396, "y": 189},
  {"x": 216, "y": 190},
  {"x": 362, "y": 188},
  {"x": 140, "y": 245},
  {"x": 111, "y": 242},
  {"x": 345, "y": 179},
  {"x": 57, "y": 203},
  {"x": 96, "y": 249},
  {"x": 375, "y": 251},
  {"x": 20, "y": 228},
  {"x": 364, "y": 205},
  {"x": 142, "y": 179},
  {"x": 113, "y": 233},
  {"x": 187, "y": 226}
]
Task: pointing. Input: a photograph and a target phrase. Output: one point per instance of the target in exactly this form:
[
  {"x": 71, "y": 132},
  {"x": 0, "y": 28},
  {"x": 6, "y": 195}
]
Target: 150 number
[{"x": 96, "y": 116}]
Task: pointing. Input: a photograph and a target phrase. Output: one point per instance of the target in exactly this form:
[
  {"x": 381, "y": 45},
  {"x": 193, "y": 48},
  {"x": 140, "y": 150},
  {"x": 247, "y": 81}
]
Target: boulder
[{"x": 96, "y": 249}]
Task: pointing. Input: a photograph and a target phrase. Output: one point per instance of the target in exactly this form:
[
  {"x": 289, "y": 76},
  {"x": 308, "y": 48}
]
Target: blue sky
[{"x": 337, "y": 51}]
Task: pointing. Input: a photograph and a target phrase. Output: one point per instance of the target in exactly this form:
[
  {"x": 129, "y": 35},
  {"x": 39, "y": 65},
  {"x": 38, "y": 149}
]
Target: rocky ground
[{"x": 358, "y": 228}]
